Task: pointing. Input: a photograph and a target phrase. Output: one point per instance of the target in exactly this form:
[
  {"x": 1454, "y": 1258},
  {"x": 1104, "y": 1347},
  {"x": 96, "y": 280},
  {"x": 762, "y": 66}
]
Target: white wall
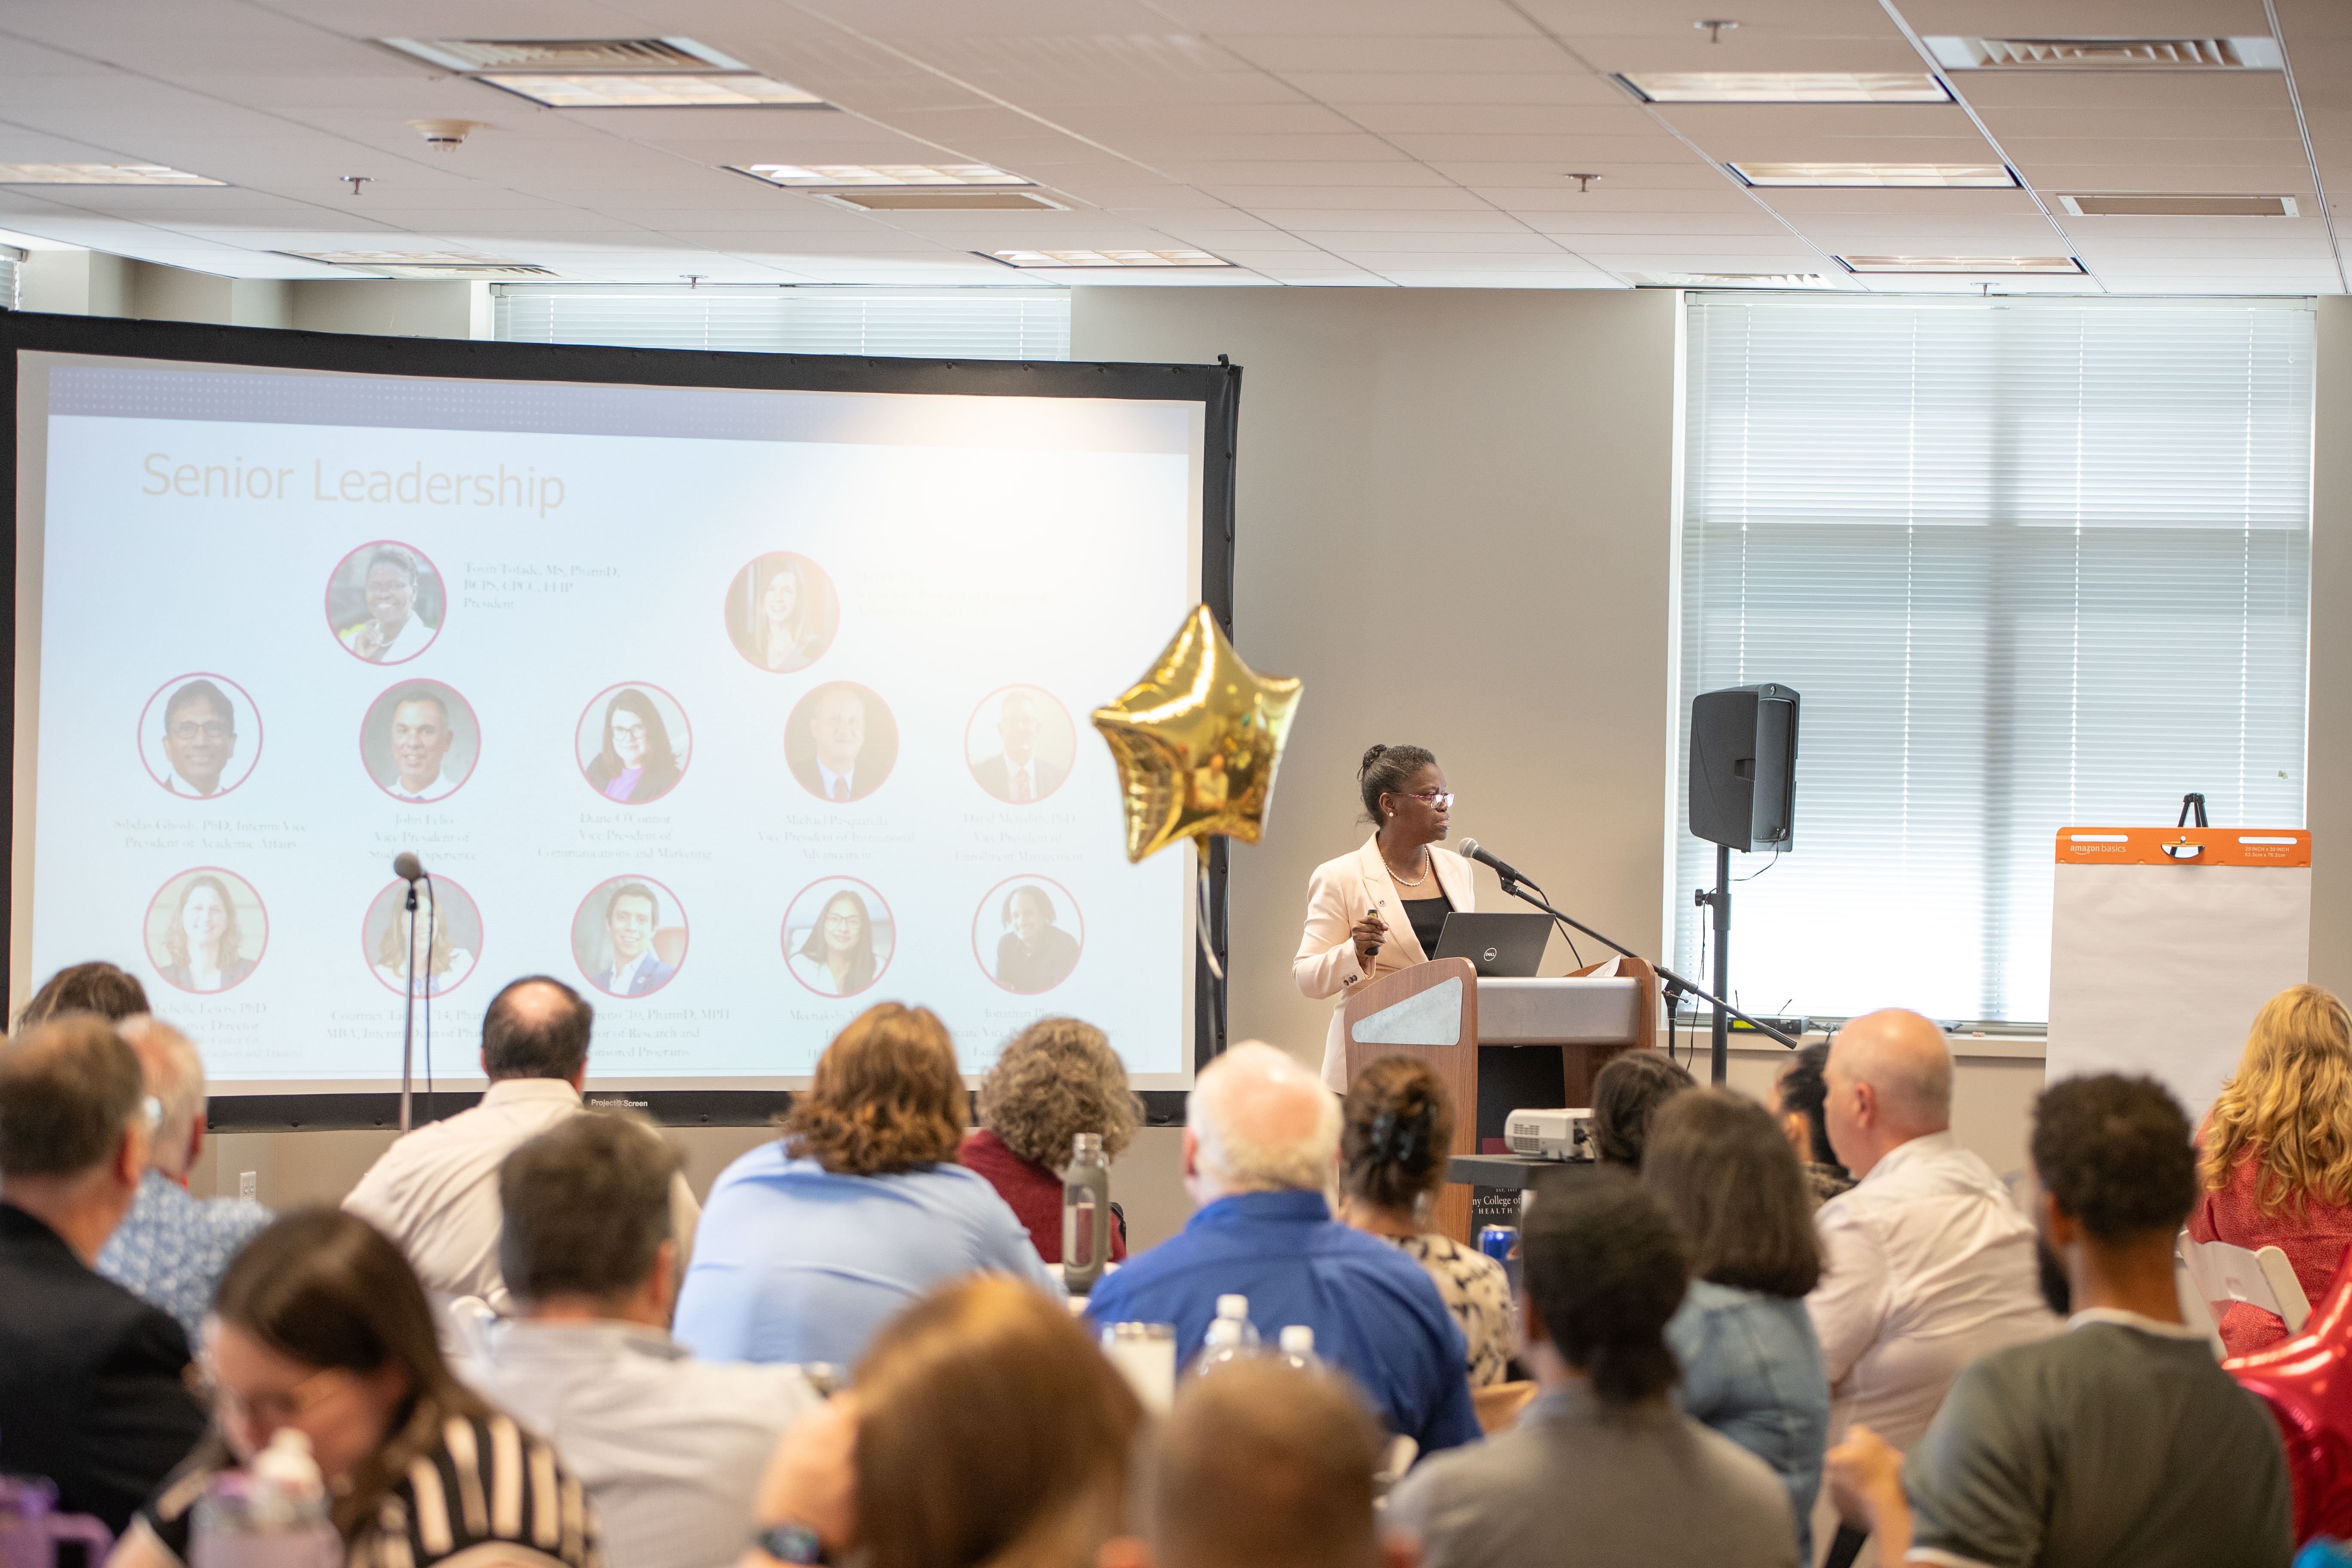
[
  {"x": 2328, "y": 793},
  {"x": 1456, "y": 522}
]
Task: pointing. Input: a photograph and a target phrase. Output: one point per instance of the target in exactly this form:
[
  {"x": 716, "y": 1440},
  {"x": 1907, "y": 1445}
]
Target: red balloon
[{"x": 2308, "y": 1383}]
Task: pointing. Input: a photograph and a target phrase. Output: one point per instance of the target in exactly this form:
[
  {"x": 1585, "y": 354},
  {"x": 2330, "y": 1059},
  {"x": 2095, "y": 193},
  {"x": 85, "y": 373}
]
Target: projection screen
[{"x": 738, "y": 691}]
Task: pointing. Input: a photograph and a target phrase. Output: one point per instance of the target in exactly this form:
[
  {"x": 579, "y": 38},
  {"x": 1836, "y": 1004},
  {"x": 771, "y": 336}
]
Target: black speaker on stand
[{"x": 1743, "y": 787}]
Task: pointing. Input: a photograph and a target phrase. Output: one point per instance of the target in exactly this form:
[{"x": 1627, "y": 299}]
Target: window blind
[
  {"x": 11, "y": 268},
  {"x": 2030, "y": 563},
  {"x": 924, "y": 323}
]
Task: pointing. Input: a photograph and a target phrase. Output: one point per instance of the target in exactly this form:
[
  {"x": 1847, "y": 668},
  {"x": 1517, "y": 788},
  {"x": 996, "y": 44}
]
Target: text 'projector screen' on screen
[{"x": 737, "y": 711}]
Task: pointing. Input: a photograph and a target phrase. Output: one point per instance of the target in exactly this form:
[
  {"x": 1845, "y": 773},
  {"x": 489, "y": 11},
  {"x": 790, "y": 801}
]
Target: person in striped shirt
[{"x": 322, "y": 1326}]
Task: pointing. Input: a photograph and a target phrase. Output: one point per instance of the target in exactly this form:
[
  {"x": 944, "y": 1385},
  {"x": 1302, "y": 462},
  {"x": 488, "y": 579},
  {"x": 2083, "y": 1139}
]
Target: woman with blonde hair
[
  {"x": 982, "y": 1431},
  {"x": 810, "y": 1243},
  {"x": 2277, "y": 1151},
  {"x": 1058, "y": 1078}
]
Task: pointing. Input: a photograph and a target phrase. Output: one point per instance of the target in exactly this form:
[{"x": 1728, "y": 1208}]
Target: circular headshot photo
[
  {"x": 419, "y": 741},
  {"x": 634, "y": 741},
  {"x": 838, "y": 936},
  {"x": 841, "y": 741},
  {"x": 629, "y": 936},
  {"x": 385, "y": 601},
  {"x": 200, "y": 735},
  {"x": 206, "y": 930},
  {"x": 1027, "y": 934},
  {"x": 440, "y": 944},
  {"x": 782, "y": 612},
  {"x": 1019, "y": 743}
]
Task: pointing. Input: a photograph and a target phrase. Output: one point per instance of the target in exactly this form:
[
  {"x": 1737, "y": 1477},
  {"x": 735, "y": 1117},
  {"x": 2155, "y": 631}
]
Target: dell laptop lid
[{"x": 1503, "y": 947}]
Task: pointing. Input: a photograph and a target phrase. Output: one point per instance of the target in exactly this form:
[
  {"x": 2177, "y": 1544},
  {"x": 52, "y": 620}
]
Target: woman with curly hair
[
  {"x": 1392, "y": 1149},
  {"x": 1057, "y": 1079},
  {"x": 810, "y": 1243},
  {"x": 2277, "y": 1151}
]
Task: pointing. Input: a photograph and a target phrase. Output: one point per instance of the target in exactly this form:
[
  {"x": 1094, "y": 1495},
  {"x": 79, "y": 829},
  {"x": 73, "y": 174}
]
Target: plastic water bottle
[
  {"x": 1235, "y": 1310},
  {"x": 1085, "y": 1213},
  {"x": 1298, "y": 1343},
  {"x": 273, "y": 1514}
]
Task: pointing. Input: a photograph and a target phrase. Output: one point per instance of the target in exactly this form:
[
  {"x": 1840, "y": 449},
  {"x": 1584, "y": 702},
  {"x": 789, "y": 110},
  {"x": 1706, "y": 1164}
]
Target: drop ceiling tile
[
  {"x": 1503, "y": 120},
  {"x": 2166, "y": 179},
  {"x": 1361, "y": 242},
  {"x": 1569, "y": 152},
  {"x": 1757, "y": 223},
  {"x": 2088, "y": 19},
  {"x": 1353, "y": 89},
  {"x": 1335, "y": 52},
  {"x": 1440, "y": 279},
  {"x": 1400, "y": 174},
  {"x": 1343, "y": 220},
  {"x": 1675, "y": 169},
  {"x": 1406, "y": 19}
]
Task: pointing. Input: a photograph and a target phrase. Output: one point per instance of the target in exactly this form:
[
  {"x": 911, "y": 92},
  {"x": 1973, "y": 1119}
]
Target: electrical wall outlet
[{"x": 249, "y": 1186}]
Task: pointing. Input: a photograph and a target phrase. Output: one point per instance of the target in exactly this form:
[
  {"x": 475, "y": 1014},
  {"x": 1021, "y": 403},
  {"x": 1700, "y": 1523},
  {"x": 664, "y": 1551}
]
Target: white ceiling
[{"x": 1359, "y": 142}]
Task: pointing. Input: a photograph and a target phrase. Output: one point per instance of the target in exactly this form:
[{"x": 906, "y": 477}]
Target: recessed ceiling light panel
[
  {"x": 933, "y": 199},
  {"x": 2180, "y": 207},
  {"x": 1787, "y": 86},
  {"x": 430, "y": 263},
  {"x": 1949, "y": 264},
  {"x": 1907, "y": 176},
  {"x": 1730, "y": 280},
  {"x": 566, "y": 54},
  {"x": 98, "y": 174},
  {"x": 1052, "y": 259},
  {"x": 878, "y": 174},
  {"x": 2105, "y": 54},
  {"x": 665, "y": 90}
]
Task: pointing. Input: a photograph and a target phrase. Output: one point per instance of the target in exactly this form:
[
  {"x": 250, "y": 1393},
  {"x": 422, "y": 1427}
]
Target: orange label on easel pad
[{"x": 2184, "y": 847}]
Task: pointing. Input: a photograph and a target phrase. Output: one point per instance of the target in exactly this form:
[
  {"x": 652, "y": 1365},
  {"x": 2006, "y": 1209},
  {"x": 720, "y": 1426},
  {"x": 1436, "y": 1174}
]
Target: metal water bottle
[{"x": 1085, "y": 1213}]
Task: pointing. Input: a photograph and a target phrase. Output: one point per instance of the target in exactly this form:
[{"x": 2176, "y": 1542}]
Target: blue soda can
[{"x": 1498, "y": 1240}]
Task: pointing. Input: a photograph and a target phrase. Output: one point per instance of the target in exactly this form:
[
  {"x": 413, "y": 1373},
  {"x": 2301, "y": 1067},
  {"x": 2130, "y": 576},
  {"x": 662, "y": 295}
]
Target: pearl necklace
[{"x": 1398, "y": 877}]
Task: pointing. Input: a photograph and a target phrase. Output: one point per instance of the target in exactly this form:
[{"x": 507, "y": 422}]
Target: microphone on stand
[
  {"x": 1473, "y": 851},
  {"x": 404, "y": 865}
]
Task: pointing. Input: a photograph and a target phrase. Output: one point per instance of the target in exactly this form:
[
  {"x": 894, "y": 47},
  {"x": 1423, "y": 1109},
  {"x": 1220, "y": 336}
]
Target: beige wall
[
  {"x": 1456, "y": 523},
  {"x": 89, "y": 283},
  {"x": 2328, "y": 764}
]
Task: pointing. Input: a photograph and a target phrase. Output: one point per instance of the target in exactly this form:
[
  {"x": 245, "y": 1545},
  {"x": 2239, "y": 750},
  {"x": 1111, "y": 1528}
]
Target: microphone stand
[
  {"x": 408, "y": 1026},
  {"x": 1674, "y": 985}
]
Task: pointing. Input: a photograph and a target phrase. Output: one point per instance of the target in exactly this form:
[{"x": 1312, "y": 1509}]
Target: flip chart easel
[{"x": 2165, "y": 942}]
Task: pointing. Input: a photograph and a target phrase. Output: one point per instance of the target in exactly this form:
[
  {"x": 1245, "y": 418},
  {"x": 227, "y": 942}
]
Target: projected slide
[{"x": 738, "y": 711}]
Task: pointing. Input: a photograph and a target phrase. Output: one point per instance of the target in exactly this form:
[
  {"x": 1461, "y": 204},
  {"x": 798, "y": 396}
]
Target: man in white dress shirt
[
  {"x": 836, "y": 723},
  {"x": 669, "y": 1448},
  {"x": 420, "y": 744},
  {"x": 1928, "y": 1263},
  {"x": 199, "y": 738},
  {"x": 436, "y": 1191}
]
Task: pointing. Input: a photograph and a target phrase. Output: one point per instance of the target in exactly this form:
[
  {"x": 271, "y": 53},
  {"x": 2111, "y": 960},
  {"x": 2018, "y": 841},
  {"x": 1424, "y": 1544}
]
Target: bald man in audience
[
  {"x": 172, "y": 1246},
  {"x": 1928, "y": 1263},
  {"x": 1261, "y": 1148},
  {"x": 1262, "y": 1465},
  {"x": 436, "y": 1191}
]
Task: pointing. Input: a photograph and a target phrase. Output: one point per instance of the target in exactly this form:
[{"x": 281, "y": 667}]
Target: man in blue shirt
[{"x": 1260, "y": 1138}]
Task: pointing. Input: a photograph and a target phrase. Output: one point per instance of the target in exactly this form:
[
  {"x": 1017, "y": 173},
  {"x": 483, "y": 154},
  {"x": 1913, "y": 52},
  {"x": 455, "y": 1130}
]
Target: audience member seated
[
  {"x": 436, "y": 1192},
  {"x": 91, "y": 1388},
  {"x": 171, "y": 1248},
  {"x": 2118, "y": 1441},
  {"x": 1751, "y": 1367},
  {"x": 1262, "y": 1465},
  {"x": 96, "y": 987},
  {"x": 1626, "y": 1093},
  {"x": 1261, "y": 1142},
  {"x": 1058, "y": 1078},
  {"x": 321, "y": 1326},
  {"x": 1927, "y": 1264},
  {"x": 2277, "y": 1169},
  {"x": 812, "y": 1243},
  {"x": 670, "y": 1449},
  {"x": 1800, "y": 1098},
  {"x": 982, "y": 1427},
  {"x": 1600, "y": 1469},
  {"x": 1392, "y": 1151}
]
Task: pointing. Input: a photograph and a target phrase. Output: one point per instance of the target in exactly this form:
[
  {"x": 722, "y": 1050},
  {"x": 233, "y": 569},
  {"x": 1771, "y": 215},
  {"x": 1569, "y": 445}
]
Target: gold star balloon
[{"x": 1197, "y": 740}]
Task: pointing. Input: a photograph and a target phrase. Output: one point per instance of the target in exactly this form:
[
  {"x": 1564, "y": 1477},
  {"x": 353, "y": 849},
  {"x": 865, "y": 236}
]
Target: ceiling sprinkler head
[
  {"x": 1584, "y": 182},
  {"x": 444, "y": 135},
  {"x": 1716, "y": 29}
]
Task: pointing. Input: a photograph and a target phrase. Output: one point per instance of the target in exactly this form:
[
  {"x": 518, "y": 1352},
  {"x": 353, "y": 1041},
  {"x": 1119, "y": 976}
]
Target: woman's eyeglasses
[
  {"x": 270, "y": 1411},
  {"x": 1438, "y": 799}
]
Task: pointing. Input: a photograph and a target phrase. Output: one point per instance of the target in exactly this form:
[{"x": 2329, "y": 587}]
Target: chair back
[{"x": 2263, "y": 1279}]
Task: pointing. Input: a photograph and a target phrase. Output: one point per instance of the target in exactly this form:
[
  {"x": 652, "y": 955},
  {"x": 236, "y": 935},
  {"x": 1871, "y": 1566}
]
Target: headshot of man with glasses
[{"x": 199, "y": 738}]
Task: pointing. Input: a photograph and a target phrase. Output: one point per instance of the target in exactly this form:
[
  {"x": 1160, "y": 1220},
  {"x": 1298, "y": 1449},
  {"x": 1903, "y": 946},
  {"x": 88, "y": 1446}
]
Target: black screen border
[{"x": 1216, "y": 387}]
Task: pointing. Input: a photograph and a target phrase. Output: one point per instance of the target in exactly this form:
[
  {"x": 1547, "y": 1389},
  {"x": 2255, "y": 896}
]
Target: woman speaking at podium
[{"x": 1379, "y": 909}]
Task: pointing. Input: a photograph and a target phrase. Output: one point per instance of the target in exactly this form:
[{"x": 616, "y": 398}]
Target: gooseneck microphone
[
  {"x": 404, "y": 865},
  {"x": 1471, "y": 850}
]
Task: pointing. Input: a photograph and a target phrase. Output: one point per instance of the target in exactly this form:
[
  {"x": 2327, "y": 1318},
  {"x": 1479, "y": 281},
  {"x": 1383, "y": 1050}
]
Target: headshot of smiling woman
[
  {"x": 203, "y": 947},
  {"x": 636, "y": 762},
  {"x": 838, "y": 958}
]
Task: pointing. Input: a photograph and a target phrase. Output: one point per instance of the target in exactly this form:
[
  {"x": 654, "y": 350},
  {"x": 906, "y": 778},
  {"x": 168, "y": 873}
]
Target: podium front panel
[{"x": 1560, "y": 1012}]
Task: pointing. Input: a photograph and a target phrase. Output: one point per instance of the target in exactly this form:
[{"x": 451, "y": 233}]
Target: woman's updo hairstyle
[
  {"x": 1399, "y": 1131},
  {"x": 1386, "y": 770}
]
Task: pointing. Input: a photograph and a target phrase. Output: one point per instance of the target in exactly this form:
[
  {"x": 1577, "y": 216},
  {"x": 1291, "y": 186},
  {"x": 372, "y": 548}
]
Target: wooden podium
[{"x": 1472, "y": 1031}]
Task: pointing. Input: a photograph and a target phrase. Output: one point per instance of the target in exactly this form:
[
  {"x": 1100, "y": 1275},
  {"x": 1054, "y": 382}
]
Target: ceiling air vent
[
  {"x": 2105, "y": 54},
  {"x": 1729, "y": 280},
  {"x": 2181, "y": 206},
  {"x": 425, "y": 263},
  {"x": 566, "y": 54},
  {"x": 920, "y": 199}
]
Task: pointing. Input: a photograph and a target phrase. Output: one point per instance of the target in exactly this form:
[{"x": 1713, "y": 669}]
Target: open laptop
[{"x": 1503, "y": 947}]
